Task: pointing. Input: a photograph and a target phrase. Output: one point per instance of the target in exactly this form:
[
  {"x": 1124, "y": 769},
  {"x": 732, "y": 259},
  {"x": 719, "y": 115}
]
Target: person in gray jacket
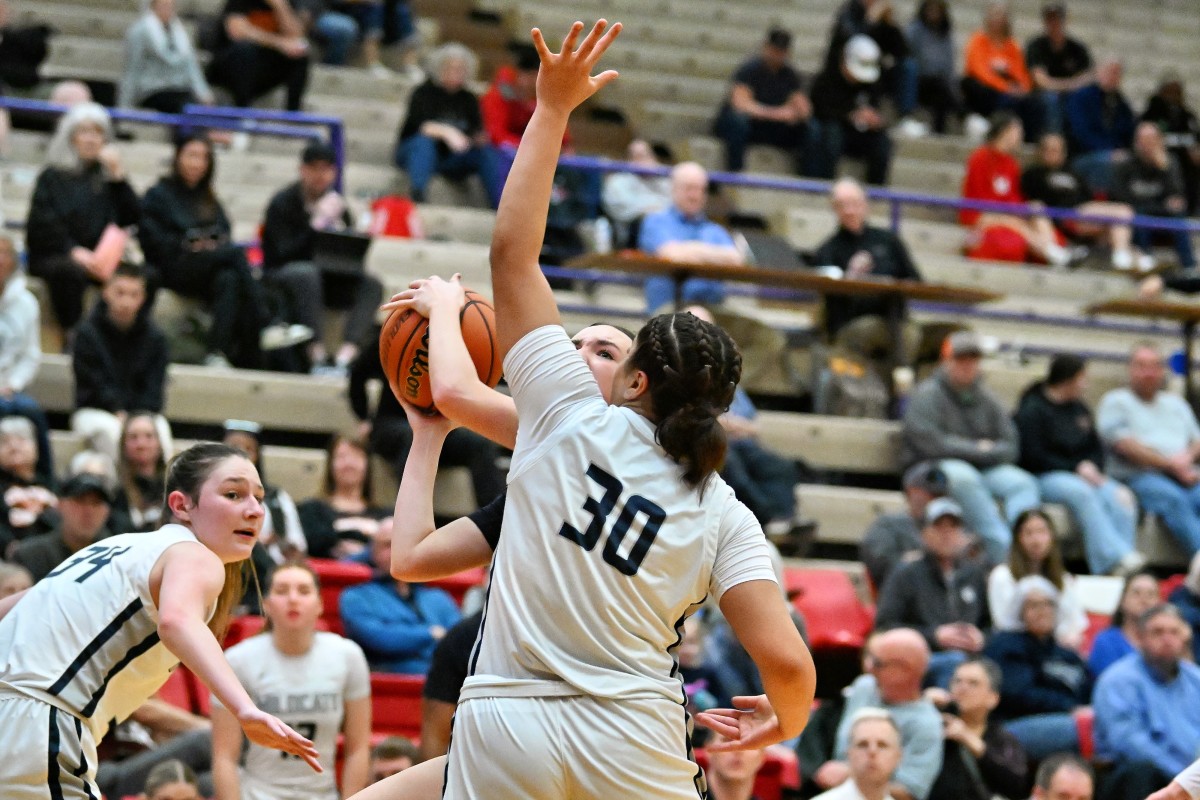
[
  {"x": 953, "y": 418},
  {"x": 895, "y": 538},
  {"x": 161, "y": 70}
]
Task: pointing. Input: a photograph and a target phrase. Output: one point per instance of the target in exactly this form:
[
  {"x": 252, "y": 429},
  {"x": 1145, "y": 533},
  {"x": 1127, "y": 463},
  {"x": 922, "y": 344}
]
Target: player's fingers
[
  {"x": 604, "y": 78},
  {"x": 539, "y": 42},
  {"x": 589, "y": 42},
  {"x": 312, "y": 762},
  {"x": 721, "y": 725},
  {"x": 604, "y": 42},
  {"x": 568, "y": 44},
  {"x": 746, "y": 702},
  {"x": 392, "y": 305},
  {"x": 456, "y": 277}
]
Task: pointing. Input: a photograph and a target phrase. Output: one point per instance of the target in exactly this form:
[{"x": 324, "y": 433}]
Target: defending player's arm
[
  {"x": 186, "y": 581},
  {"x": 356, "y": 765},
  {"x": 420, "y": 550},
  {"x": 522, "y": 296}
]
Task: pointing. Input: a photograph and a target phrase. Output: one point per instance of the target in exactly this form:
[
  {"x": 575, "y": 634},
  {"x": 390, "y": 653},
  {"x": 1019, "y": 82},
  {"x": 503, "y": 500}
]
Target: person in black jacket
[
  {"x": 120, "y": 363},
  {"x": 859, "y": 323},
  {"x": 390, "y": 436},
  {"x": 1152, "y": 184},
  {"x": 80, "y": 193},
  {"x": 443, "y": 132},
  {"x": 294, "y": 216},
  {"x": 186, "y": 236},
  {"x": 1181, "y": 130},
  {"x": 1060, "y": 446},
  {"x": 847, "y": 120}
]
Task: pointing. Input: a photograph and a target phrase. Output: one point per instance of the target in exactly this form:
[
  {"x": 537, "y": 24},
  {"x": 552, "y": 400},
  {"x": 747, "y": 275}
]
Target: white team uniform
[
  {"x": 308, "y": 692},
  {"x": 574, "y": 688},
  {"x": 79, "y": 653}
]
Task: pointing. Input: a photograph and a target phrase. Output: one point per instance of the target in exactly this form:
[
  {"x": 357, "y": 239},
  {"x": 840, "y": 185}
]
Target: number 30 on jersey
[{"x": 602, "y": 509}]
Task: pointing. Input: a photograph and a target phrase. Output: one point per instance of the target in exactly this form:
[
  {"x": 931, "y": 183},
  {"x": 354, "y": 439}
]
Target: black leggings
[
  {"x": 221, "y": 278},
  {"x": 250, "y": 70},
  {"x": 66, "y": 282}
]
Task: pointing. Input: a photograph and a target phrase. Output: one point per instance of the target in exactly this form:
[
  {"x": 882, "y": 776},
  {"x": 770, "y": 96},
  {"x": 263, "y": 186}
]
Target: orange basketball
[{"x": 404, "y": 349}]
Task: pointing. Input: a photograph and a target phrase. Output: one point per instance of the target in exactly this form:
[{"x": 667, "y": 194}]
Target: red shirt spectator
[
  {"x": 991, "y": 175},
  {"x": 508, "y": 105}
]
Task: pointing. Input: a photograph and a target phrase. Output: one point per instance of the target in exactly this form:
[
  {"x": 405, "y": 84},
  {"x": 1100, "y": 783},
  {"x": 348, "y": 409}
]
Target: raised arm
[{"x": 522, "y": 295}]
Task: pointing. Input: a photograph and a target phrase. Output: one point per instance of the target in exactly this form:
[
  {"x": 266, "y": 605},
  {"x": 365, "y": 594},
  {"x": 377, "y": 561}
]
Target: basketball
[{"x": 404, "y": 349}]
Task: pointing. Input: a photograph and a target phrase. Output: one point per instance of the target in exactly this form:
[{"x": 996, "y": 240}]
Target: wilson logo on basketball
[{"x": 418, "y": 369}]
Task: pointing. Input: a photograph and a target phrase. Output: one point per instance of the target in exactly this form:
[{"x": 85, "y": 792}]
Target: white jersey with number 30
[{"x": 605, "y": 550}]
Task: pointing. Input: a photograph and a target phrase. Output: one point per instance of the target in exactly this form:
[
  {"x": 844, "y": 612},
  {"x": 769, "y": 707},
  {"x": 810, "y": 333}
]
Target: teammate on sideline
[
  {"x": 601, "y": 666},
  {"x": 99, "y": 635},
  {"x": 318, "y": 682}
]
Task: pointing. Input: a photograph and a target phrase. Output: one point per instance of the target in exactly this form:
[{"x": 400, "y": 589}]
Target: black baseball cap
[
  {"x": 85, "y": 483},
  {"x": 317, "y": 151},
  {"x": 779, "y": 38}
]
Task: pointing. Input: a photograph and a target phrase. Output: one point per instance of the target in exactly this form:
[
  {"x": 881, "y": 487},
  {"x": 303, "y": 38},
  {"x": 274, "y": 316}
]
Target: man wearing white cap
[{"x": 846, "y": 101}]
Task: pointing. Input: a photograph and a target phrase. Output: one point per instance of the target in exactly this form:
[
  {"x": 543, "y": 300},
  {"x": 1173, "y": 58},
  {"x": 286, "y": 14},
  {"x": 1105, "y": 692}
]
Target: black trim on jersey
[
  {"x": 95, "y": 645},
  {"x": 81, "y": 773},
  {"x": 698, "y": 779},
  {"x": 134, "y": 652},
  {"x": 487, "y": 595},
  {"x": 446, "y": 766},
  {"x": 54, "y": 782}
]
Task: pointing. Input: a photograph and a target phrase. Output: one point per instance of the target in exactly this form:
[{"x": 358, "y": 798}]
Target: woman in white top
[
  {"x": 317, "y": 682},
  {"x": 1035, "y": 551},
  {"x": 161, "y": 71},
  {"x": 98, "y": 636}
]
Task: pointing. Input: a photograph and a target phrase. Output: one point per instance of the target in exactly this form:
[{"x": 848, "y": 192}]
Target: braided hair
[{"x": 693, "y": 368}]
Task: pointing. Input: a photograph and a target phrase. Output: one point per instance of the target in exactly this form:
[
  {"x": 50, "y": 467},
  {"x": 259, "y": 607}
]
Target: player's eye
[
  {"x": 232, "y": 494},
  {"x": 607, "y": 354}
]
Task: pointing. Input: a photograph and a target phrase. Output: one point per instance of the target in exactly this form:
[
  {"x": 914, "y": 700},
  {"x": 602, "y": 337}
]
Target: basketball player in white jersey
[
  {"x": 616, "y": 528},
  {"x": 317, "y": 682},
  {"x": 100, "y": 634},
  {"x": 1185, "y": 786}
]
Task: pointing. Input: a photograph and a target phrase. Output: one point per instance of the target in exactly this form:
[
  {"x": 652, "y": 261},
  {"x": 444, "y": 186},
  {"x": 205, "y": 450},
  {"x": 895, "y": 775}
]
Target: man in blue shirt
[
  {"x": 1148, "y": 705},
  {"x": 683, "y": 233}
]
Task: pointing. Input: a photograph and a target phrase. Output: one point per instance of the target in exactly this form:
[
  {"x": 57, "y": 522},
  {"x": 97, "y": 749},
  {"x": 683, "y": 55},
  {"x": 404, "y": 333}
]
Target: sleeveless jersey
[
  {"x": 605, "y": 550},
  {"x": 308, "y": 692},
  {"x": 85, "y": 637}
]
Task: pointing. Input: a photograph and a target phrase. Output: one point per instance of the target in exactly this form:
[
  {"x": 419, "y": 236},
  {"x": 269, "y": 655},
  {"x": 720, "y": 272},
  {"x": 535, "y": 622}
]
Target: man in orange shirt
[{"x": 995, "y": 76}]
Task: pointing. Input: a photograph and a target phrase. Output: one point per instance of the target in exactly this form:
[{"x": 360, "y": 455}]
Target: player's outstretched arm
[
  {"x": 760, "y": 620},
  {"x": 522, "y": 296},
  {"x": 457, "y": 391},
  {"x": 190, "y": 579},
  {"x": 420, "y": 550}
]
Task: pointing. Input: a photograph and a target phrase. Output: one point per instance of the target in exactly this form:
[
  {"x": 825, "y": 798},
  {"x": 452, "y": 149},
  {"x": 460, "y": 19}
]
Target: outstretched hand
[
  {"x": 423, "y": 294},
  {"x": 267, "y": 731},
  {"x": 753, "y": 728},
  {"x": 432, "y": 422},
  {"x": 565, "y": 79}
]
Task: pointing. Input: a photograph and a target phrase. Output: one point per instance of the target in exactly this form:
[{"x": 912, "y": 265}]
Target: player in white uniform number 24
[
  {"x": 99, "y": 635},
  {"x": 616, "y": 528}
]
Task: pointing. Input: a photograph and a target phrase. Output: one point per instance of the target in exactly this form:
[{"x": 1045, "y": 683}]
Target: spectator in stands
[
  {"x": 289, "y": 232},
  {"x": 151, "y": 747},
  {"x": 318, "y": 680},
  {"x": 171, "y": 780},
  {"x": 980, "y": 759},
  {"x": 1058, "y": 64},
  {"x": 161, "y": 70},
  {"x": 1035, "y": 551},
  {"x": 954, "y": 418},
  {"x": 338, "y": 25},
  {"x": 895, "y": 662},
  {"x": 1148, "y": 705},
  {"x": 20, "y": 349},
  {"x": 863, "y": 251},
  {"x": 344, "y": 521},
  {"x": 119, "y": 362},
  {"x": 873, "y": 757},
  {"x": 766, "y": 105},
  {"x": 1064, "y": 777},
  {"x": 28, "y": 502},
  {"x": 260, "y": 45},
  {"x": 943, "y": 595},
  {"x": 1060, "y": 445},
  {"x": 701, "y": 682},
  {"x": 142, "y": 472},
  {"x": 895, "y": 538},
  {"x": 398, "y": 624},
  {"x": 23, "y": 48},
  {"x": 683, "y": 233},
  {"x": 1052, "y": 183},
  {"x": 281, "y": 533},
  {"x": 388, "y": 433},
  {"x": 1100, "y": 126},
  {"x": 1181, "y": 132},
  {"x": 731, "y": 773},
  {"x": 83, "y": 504},
  {"x": 1186, "y": 598},
  {"x": 847, "y": 120},
  {"x": 627, "y": 196},
  {"x": 13, "y": 579},
  {"x": 995, "y": 76},
  {"x": 931, "y": 39},
  {"x": 443, "y": 131},
  {"x": 1044, "y": 682},
  {"x": 994, "y": 175},
  {"x": 1138, "y": 595},
  {"x": 508, "y": 104},
  {"x": 1153, "y": 441},
  {"x": 448, "y": 669},
  {"x": 392, "y": 755},
  {"x": 1152, "y": 185},
  {"x": 186, "y": 235},
  {"x": 80, "y": 196}
]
